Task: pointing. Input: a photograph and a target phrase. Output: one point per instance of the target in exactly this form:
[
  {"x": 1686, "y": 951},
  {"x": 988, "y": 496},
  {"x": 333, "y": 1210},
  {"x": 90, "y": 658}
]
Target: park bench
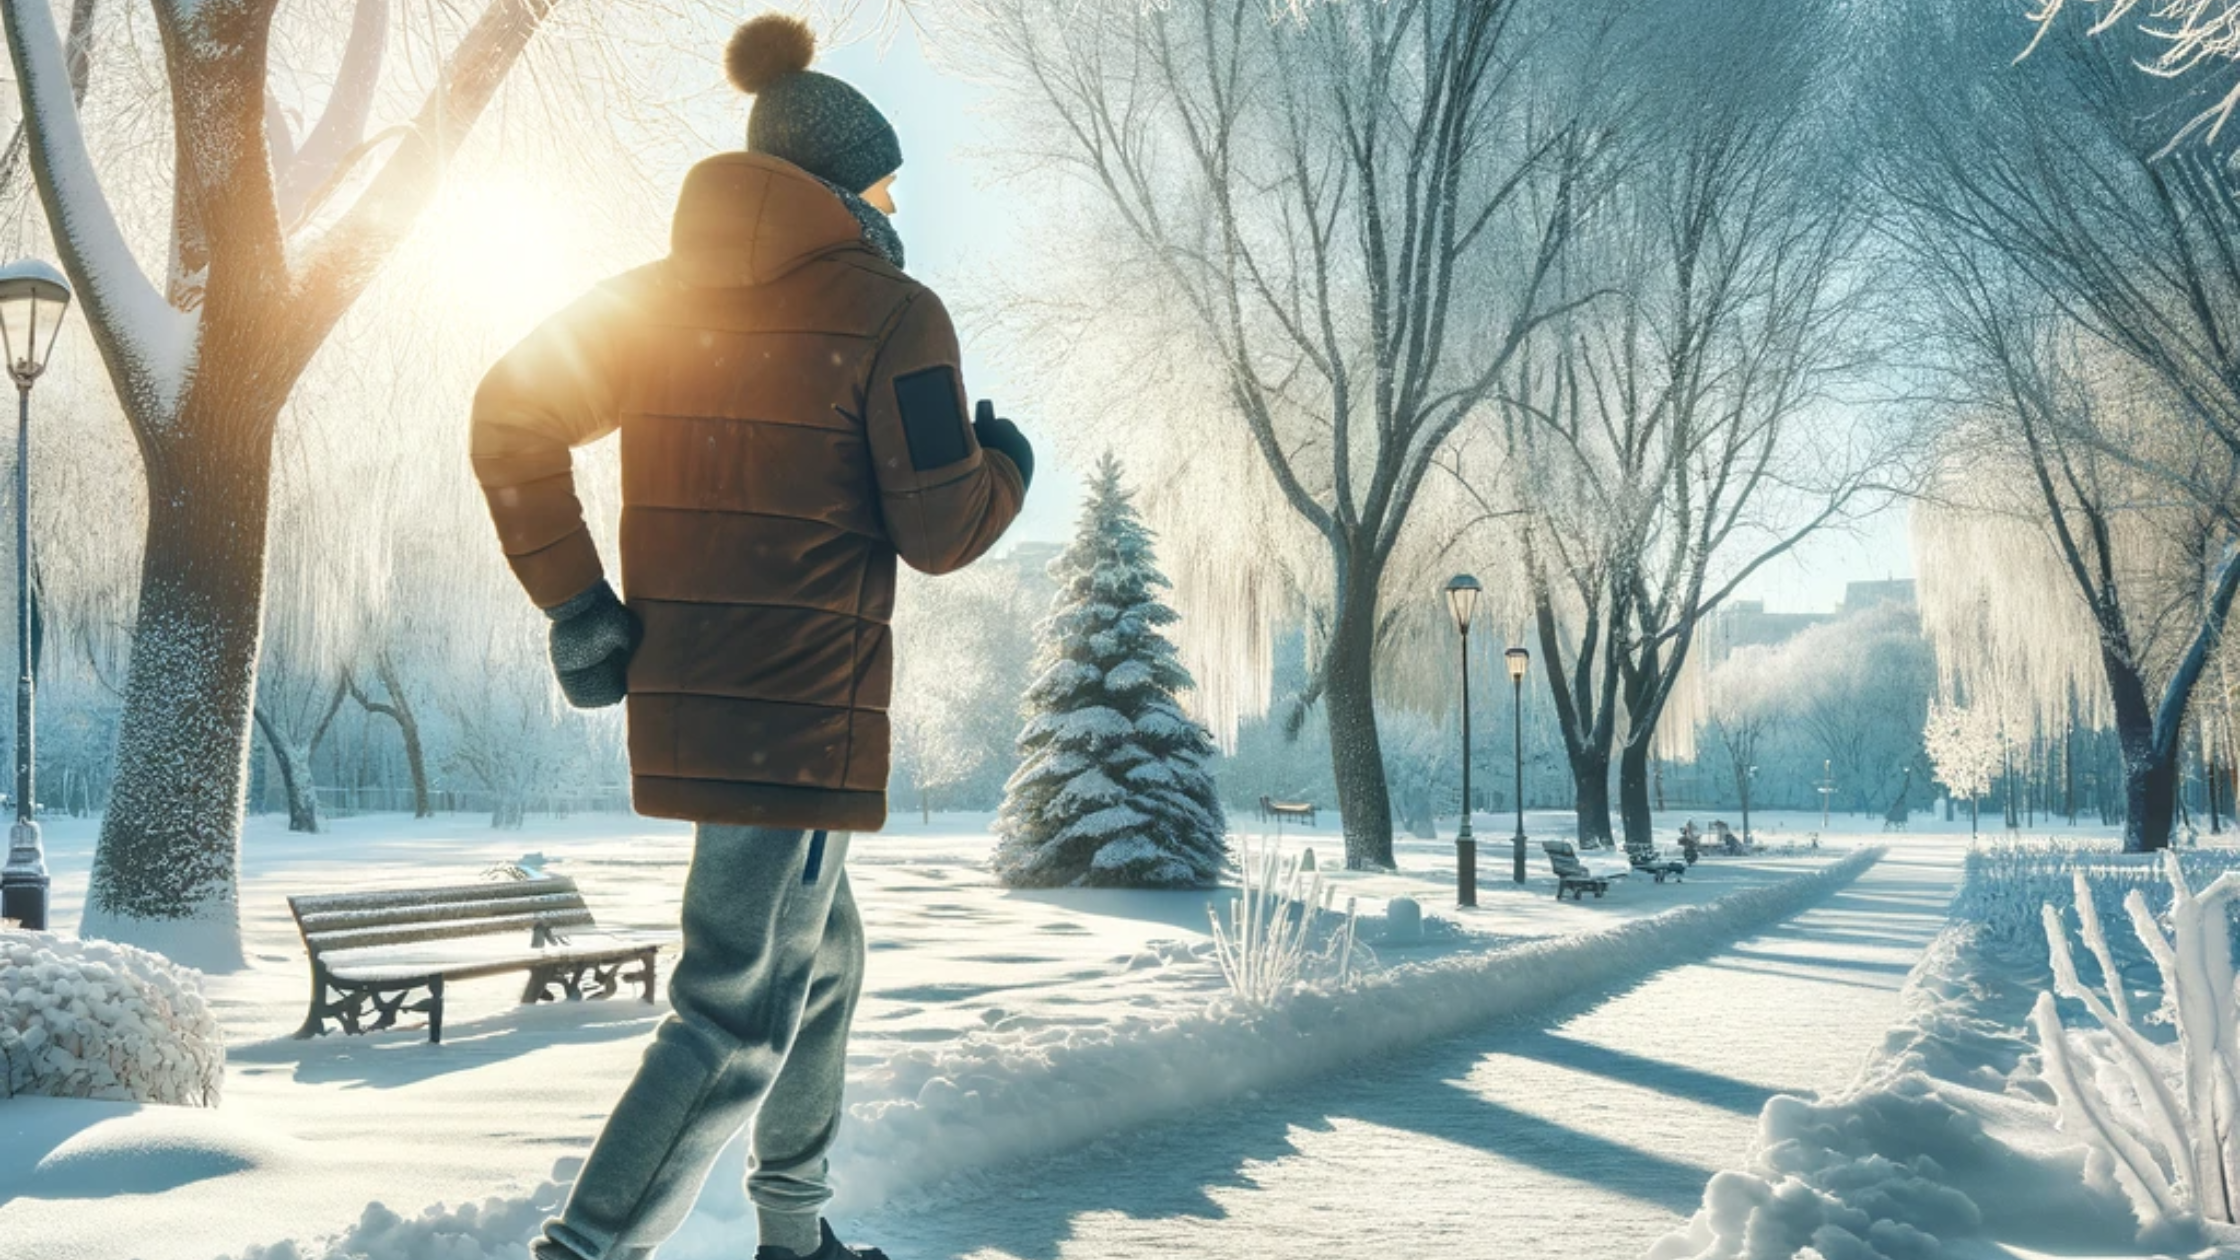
[
  {"x": 371, "y": 951},
  {"x": 1730, "y": 842},
  {"x": 1657, "y": 865},
  {"x": 1273, "y": 810},
  {"x": 1572, "y": 875}
]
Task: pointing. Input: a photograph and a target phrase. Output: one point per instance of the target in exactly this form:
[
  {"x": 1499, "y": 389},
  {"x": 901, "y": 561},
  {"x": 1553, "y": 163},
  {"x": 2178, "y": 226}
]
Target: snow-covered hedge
[
  {"x": 2008, "y": 881},
  {"x": 92, "y": 1019}
]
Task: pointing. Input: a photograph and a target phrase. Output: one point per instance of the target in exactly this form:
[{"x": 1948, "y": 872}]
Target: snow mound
[
  {"x": 1948, "y": 1138},
  {"x": 498, "y": 1228},
  {"x": 92, "y": 1019},
  {"x": 154, "y": 1150}
]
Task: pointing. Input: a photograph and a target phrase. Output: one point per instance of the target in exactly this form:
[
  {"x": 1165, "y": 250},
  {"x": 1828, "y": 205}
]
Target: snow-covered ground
[
  {"x": 1586, "y": 1133},
  {"x": 1950, "y": 1142},
  {"x": 963, "y": 972}
]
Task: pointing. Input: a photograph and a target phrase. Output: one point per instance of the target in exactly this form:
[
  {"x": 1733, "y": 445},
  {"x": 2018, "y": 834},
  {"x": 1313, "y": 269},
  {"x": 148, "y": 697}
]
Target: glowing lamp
[{"x": 1518, "y": 660}]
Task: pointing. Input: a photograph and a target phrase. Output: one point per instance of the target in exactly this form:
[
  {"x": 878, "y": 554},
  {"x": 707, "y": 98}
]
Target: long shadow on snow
[{"x": 402, "y": 1056}]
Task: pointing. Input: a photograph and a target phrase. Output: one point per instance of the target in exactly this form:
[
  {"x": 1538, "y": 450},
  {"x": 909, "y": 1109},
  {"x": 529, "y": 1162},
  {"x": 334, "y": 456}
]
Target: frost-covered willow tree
[
  {"x": 263, "y": 261},
  {"x": 1683, "y": 425},
  {"x": 2085, "y": 283},
  {"x": 1113, "y": 787},
  {"x": 1350, "y": 212}
]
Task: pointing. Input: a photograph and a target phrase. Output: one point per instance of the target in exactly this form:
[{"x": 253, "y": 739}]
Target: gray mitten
[{"x": 593, "y": 636}]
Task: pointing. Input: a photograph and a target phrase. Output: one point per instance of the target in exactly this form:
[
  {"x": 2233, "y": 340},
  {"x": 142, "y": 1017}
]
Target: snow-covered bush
[
  {"x": 1268, "y": 947},
  {"x": 1113, "y": 787},
  {"x": 2166, "y": 1117},
  {"x": 2007, "y": 883},
  {"x": 91, "y": 1019}
]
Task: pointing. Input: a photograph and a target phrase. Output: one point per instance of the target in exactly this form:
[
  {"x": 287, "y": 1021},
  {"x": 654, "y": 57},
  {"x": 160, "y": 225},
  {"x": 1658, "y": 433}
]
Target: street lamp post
[
  {"x": 1748, "y": 775},
  {"x": 33, "y": 297},
  {"x": 1462, "y": 600},
  {"x": 1518, "y": 660}
]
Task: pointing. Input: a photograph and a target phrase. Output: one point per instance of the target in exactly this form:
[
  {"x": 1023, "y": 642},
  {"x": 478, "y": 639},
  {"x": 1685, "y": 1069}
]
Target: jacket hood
[{"x": 749, "y": 218}]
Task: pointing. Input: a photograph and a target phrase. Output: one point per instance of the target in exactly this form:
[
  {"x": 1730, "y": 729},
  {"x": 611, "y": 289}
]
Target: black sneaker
[{"x": 830, "y": 1248}]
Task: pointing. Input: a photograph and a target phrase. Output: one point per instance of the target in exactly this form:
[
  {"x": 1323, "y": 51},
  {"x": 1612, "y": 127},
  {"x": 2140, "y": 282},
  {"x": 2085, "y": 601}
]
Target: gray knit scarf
[{"x": 878, "y": 229}]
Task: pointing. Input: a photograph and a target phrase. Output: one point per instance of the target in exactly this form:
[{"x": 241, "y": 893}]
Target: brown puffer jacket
[{"x": 792, "y": 418}]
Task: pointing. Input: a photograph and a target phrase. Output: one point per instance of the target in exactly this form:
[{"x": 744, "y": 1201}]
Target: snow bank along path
[
  {"x": 1583, "y": 1140},
  {"x": 926, "y": 1116}
]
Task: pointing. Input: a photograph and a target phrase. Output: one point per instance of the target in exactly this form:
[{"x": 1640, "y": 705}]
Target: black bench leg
[
  {"x": 647, "y": 959},
  {"x": 533, "y": 991},
  {"x": 315, "y": 1021},
  {"x": 435, "y": 1011}
]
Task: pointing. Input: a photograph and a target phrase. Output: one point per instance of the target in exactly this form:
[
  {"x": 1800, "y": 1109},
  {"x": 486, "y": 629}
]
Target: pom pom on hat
[
  {"x": 766, "y": 49},
  {"x": 812, "y": 120}
]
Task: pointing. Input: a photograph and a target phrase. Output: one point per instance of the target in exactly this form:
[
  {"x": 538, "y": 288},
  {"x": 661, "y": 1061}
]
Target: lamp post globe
[
  {"x": 1519, "y": 660},
  {"x": 1462, "y": 592},
  {"x": 33, "y": 298}
]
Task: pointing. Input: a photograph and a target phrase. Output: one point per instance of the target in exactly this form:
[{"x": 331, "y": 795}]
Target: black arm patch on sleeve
[{"x": 931, "y": 420}]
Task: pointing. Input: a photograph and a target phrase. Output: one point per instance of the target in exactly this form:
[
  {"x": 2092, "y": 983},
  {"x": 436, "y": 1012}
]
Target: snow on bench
[
  {"x": 1576, "y": 876},
  {"x": 370, "y": 951}
]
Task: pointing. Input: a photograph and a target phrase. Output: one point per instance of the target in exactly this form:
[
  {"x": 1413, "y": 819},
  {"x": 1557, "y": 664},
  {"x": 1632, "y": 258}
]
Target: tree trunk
[
  {"x": 1416, "y": 812},
  {"x": 2150, "y": 776},
  {"x": 415, "y": 757},
  {"x": 398, "y": 709},
  {"x": 1590, "y": 777},
  {"x": 1633, "y": 799},
  {"x": 1356, "y": 753},
  {"x": 295, "y": 776},
  {"x": 168, "y": 850}
]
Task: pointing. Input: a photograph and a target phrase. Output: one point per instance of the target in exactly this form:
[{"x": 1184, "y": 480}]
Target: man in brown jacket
[{"x": 792, "y": 420}]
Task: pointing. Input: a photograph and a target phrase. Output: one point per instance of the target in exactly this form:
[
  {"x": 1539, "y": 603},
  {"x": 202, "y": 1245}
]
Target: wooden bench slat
[
  {"x": 412, "y": 934},
  {"x": 374, "y": 948},
  {"x": 318, "y": 923},
  {"x": 489, "y": 890}
]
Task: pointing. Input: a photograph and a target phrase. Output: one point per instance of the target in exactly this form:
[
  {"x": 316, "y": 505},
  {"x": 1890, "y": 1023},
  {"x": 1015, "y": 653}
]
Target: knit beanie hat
[{"x": 812, "y": 120}]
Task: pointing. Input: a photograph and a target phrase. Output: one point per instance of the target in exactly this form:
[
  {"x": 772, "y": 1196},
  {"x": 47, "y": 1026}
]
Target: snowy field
[{"x": 1566, "y": 1076}]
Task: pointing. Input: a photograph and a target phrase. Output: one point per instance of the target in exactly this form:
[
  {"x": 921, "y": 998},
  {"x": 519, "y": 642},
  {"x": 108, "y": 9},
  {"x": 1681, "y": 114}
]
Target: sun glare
[{"x": 505, "y": 254}]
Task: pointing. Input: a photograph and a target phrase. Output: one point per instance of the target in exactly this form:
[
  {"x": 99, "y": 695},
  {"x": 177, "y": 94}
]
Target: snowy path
[{"x": 1589, "y": 1136}]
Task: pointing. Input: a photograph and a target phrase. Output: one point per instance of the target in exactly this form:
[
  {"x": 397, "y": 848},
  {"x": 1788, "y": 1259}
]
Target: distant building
[
  {"x": 1860, "y": 596},
  {"x": 1741, "y": 623}
]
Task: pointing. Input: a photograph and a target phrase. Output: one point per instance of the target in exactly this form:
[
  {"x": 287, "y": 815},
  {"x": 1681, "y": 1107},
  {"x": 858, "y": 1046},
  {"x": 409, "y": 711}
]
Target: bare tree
[
  {"x": 397, "y": 707},
  {"x": 1355, "y": 212},
  {"x": 202, "y": 368},
  {"x": 2087, "y": 276},
  {"x": 1682, "y": 427},
  {"x": 295, "y": 709}
]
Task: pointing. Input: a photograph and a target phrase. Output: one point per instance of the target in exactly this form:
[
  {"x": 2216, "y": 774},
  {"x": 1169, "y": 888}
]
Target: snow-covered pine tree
[{"x": 1112, "y": 788}]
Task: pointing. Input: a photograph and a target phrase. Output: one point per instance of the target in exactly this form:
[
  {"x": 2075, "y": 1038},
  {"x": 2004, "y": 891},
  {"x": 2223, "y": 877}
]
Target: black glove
[
  {"x": 593, "y": 636},
  {"x": 999, "y": 434}
]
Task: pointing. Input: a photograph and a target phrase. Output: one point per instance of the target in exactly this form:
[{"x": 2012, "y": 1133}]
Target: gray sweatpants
[{"x": 761, "y": 995}]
